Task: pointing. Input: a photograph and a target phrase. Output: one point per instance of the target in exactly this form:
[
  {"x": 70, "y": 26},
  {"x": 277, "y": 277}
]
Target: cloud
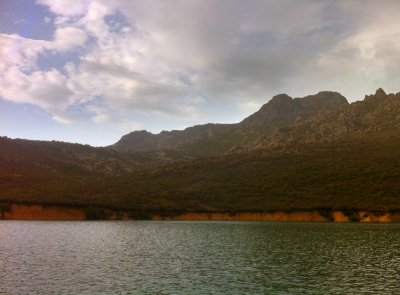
[
  {"x": 182, "y": 59},
  {"x": 22, "y": 81},
  {"x": 47, "y": 89},
  {"x": 23, "y": 52},
  {"x": 66, "y": 39},
  {"x": 366, "y": 59},
  {"x": 66, "y": 7}
]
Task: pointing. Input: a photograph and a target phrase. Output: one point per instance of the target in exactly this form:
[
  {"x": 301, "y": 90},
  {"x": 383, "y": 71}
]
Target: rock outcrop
[{"x": 378, "y": 112}]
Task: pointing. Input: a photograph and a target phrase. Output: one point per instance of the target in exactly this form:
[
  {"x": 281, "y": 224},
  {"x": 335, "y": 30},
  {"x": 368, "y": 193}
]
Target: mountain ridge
[
  {"x": 279, "y": 111},
  {"x": 377, "y": 112}
]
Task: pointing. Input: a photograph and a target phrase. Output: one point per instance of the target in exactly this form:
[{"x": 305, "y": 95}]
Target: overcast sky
[{"x": 90, "y": 71}]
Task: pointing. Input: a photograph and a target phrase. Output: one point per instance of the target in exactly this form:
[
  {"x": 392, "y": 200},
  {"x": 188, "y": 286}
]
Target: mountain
[
  {"x": 293, "y": 154},
  {"x": 215, "y": 139}
]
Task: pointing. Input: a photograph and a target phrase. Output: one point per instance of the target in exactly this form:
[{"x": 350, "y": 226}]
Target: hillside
[
  {"x": 345, "y": 157},
  {"x": 53, "y": 158},
  {"x": 359, "y": 172}
]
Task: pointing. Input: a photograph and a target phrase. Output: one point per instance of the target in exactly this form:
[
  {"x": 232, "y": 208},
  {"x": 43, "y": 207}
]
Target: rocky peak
[
  {"x": 380, "y": 92},
  {"x": 141, "y": 139},
  {"x": 280, "y": 98},
  {"x": 325, "y": 98},
  {"x": 141, "y": 132},
  {"x": 312, "y": 104},
  {"x": 283, "y": 109},
  {"x": 278, "y": 109}
]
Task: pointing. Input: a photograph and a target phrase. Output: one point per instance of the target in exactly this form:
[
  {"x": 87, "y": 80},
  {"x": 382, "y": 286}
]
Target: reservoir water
[{"x": 150, "y": 257}]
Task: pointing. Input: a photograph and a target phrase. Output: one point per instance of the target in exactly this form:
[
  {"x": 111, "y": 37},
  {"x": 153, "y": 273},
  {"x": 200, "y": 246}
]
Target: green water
[{"x": 198, "y": 258}]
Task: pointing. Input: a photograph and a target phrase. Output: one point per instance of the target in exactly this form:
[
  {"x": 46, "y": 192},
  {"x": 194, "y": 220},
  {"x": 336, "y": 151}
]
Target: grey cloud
[
  {"x": 245, "y": 49},
  {"x": 229, "y": 51},
  {"x": 147, "y": 95},
  {"x": 251, "y": 50}
]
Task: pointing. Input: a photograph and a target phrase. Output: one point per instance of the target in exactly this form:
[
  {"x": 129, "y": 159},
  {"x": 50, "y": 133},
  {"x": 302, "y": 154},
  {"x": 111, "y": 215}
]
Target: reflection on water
[{"x": 148, "y": 257}]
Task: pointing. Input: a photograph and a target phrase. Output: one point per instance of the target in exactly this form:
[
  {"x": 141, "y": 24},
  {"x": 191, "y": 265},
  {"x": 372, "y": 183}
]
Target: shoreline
[{"x": 66, "y": 213}]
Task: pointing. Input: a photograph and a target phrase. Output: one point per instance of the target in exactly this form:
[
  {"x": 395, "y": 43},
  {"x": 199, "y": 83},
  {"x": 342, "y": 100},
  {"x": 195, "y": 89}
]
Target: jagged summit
[
  {"x": 380, "y": 92},
  {"x": 378, "y": 113}
]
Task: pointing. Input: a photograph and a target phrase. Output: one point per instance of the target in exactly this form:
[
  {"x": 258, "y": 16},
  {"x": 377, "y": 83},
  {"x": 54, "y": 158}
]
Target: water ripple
[{"x": 198, "y": 258}]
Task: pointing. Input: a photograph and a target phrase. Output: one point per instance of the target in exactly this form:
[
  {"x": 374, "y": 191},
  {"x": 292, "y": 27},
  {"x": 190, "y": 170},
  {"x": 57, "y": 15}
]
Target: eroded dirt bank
[
  {"x": 39, "y": 212},
  {"x": 335, "y": 216},
  {"x": 50, "y": 212}
]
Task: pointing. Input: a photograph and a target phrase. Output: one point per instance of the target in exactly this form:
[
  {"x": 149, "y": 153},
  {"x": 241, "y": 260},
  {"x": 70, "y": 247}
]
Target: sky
[{"x": 90, "y": 71}]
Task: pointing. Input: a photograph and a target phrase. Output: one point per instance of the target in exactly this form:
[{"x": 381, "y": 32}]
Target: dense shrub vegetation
[
  {"x": 361, "y": 173},
  {"x": 345, "y": 158}
]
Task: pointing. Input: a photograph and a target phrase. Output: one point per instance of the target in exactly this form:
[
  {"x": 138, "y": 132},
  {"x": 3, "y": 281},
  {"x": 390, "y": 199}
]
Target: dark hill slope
[
  {"x": 360, "y": 172},
  {"x": 52, "y": 158}
]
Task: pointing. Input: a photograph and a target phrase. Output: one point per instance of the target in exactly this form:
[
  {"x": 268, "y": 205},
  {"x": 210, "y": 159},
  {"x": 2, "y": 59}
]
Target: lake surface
[{"x": 150, "y": 257}]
